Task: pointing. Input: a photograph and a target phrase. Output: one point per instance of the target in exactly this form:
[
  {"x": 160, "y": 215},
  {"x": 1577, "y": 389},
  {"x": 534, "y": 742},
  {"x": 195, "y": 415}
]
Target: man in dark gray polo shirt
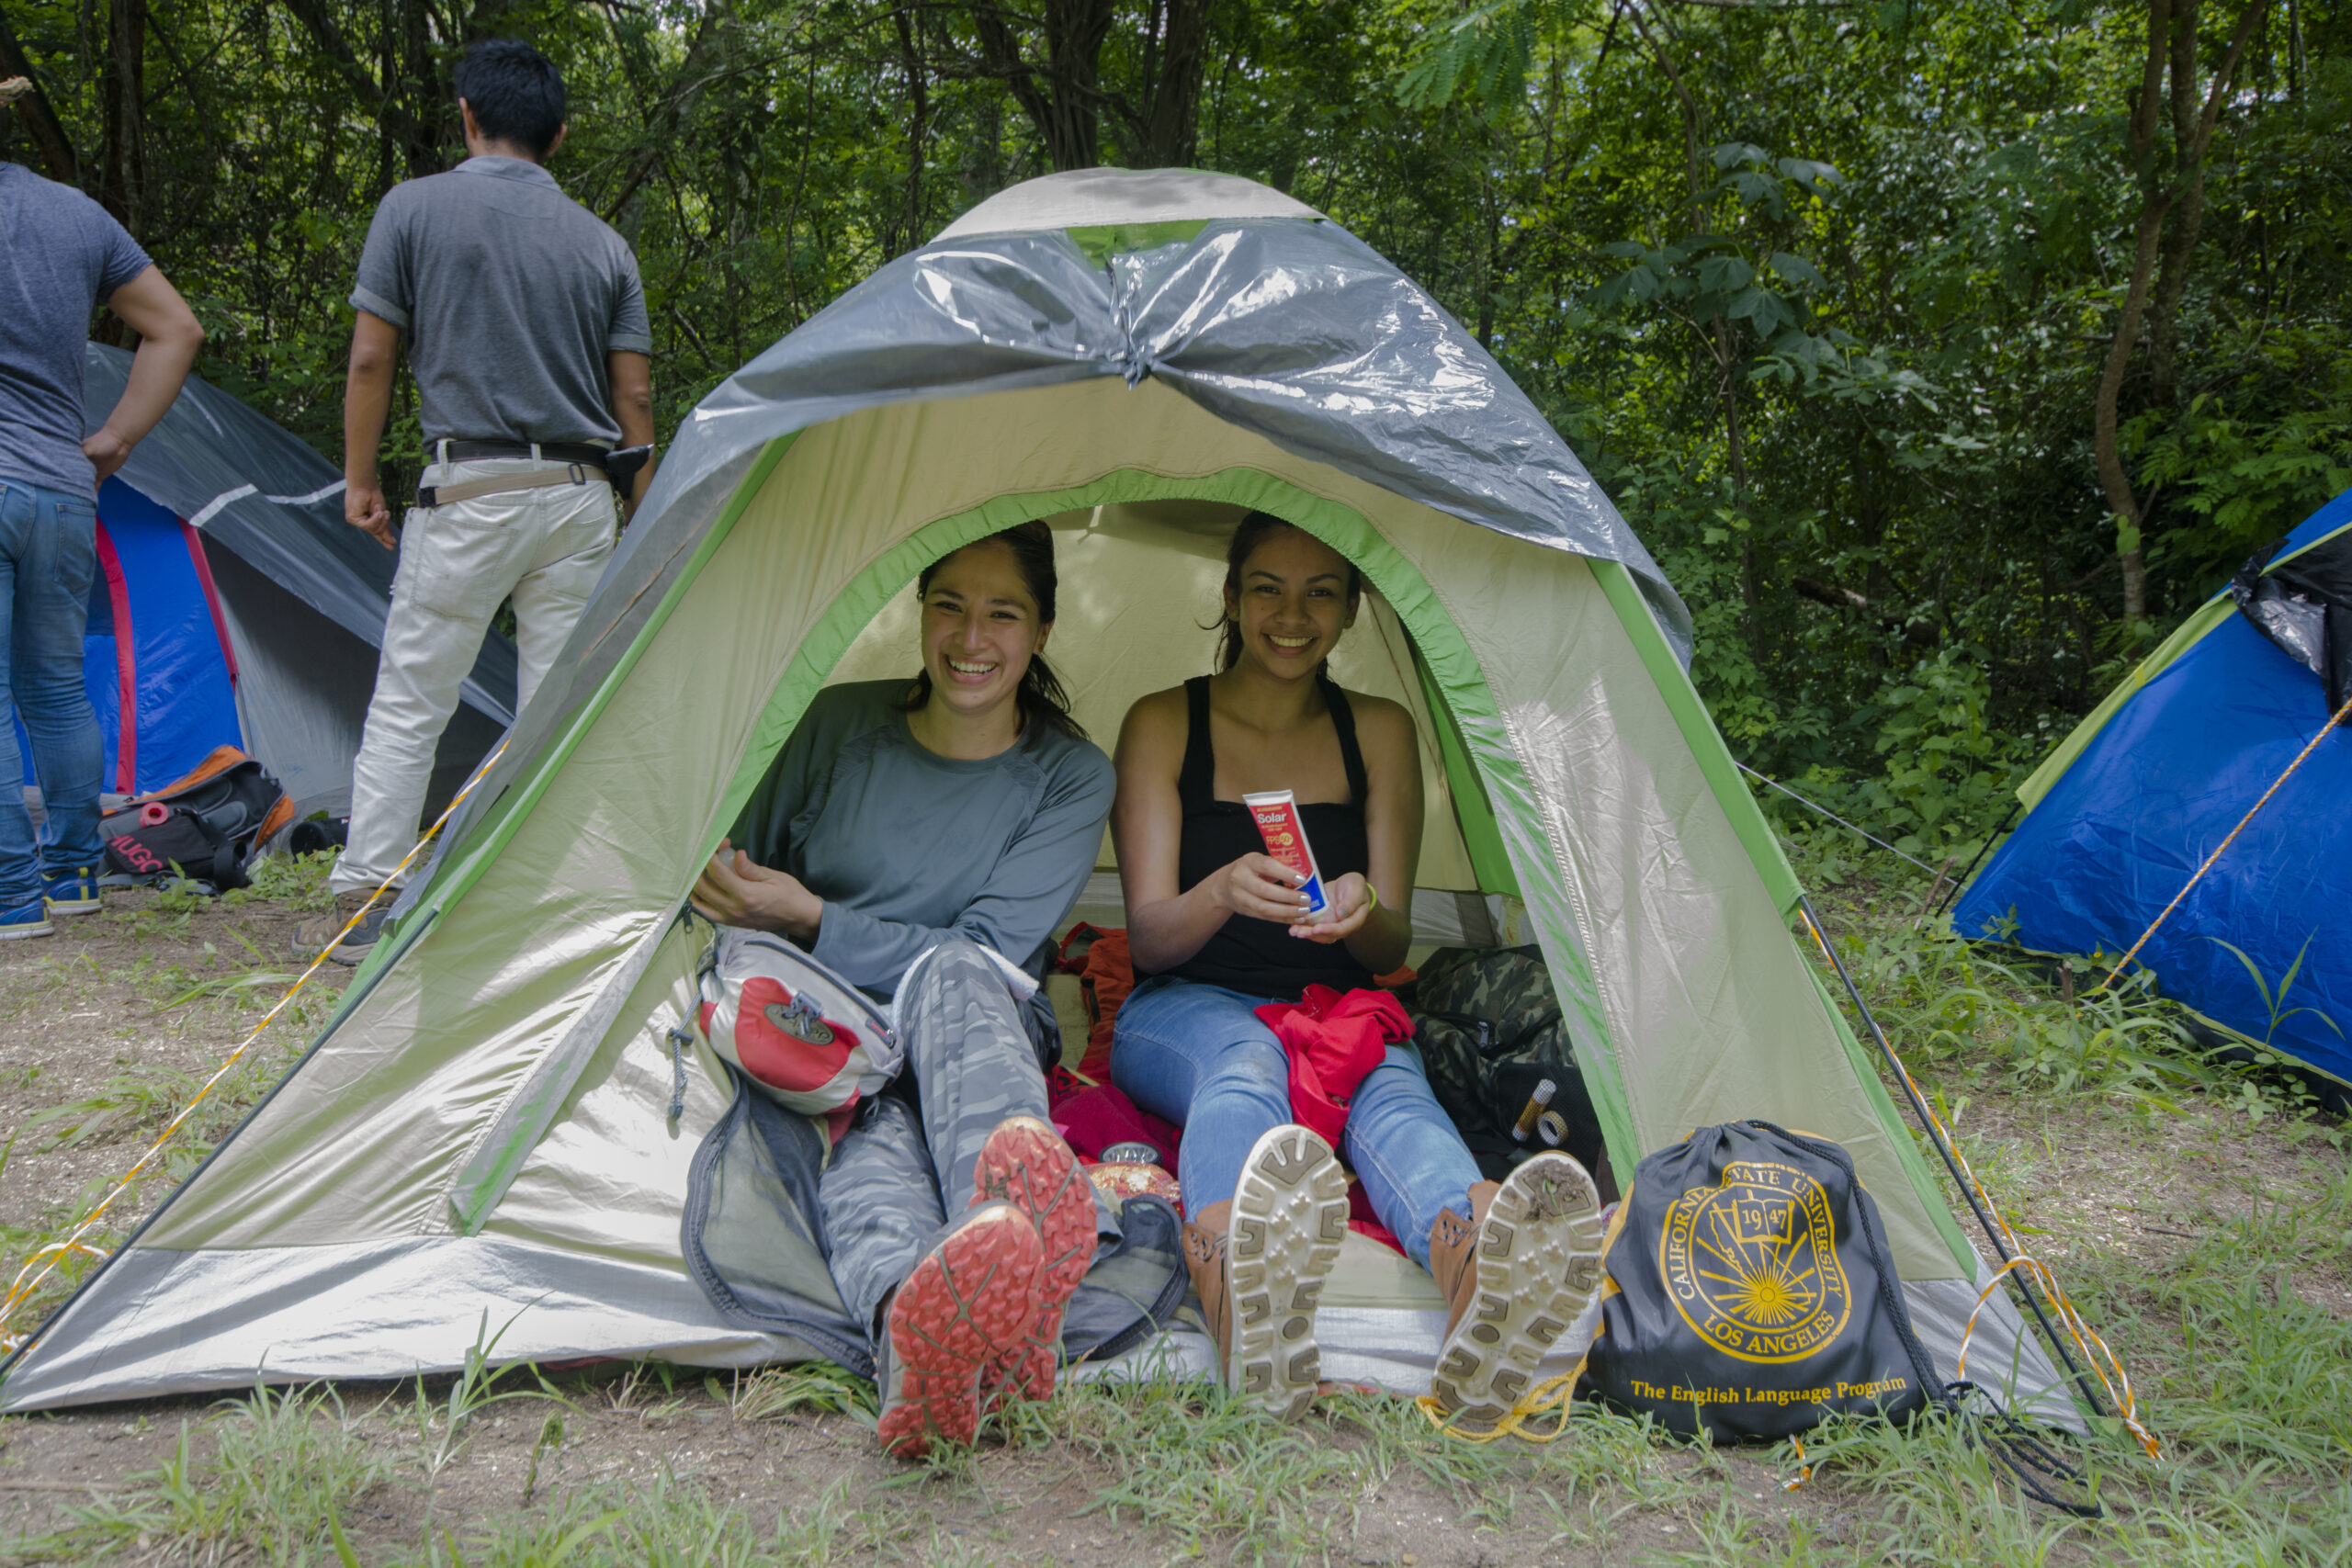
[{"x": 527, "y": 335}]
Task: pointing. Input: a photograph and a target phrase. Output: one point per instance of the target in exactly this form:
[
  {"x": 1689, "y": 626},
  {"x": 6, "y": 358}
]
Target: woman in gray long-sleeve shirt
[{"x": 922, "y": 840}]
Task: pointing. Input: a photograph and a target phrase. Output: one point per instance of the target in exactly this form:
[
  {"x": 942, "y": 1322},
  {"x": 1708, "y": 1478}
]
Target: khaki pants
[{"x": 546, "y": 547}]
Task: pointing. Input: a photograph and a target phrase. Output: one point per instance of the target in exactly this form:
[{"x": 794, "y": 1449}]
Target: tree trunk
[
  {"x": 122, "y": 93},
  {"x": 33, "y": 111},
  {"x": 1172, "y": 121},
  {"x": 911, "y": 223},
  {"x": 2120, "y": 504},
  {"x": 684, "y": 87},
  {"x": 1064, "y": 97},
  {"x": 1074, "y": 33},
  {"x": 2171, "y": 211}
]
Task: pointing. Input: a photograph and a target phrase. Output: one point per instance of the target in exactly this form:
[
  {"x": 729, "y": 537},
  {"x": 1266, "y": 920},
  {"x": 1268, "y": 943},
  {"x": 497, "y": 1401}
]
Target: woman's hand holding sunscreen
[{"x": 1276, "y": 814}]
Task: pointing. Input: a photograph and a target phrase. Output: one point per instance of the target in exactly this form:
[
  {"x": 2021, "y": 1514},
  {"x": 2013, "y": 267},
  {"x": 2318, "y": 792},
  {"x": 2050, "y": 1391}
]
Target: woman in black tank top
[{"x": 1217, "y": 930}]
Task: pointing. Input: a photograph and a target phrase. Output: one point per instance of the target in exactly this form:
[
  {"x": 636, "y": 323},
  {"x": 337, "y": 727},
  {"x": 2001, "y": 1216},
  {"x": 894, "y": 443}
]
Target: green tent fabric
[{"x": 484, "y": 1128}]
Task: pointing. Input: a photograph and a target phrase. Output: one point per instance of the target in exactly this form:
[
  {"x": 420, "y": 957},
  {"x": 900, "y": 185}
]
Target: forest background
[{"x": 1944, "y": 352}]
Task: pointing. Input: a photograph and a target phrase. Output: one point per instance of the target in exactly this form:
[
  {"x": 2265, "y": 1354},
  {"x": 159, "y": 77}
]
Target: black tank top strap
[
  {"x": 1196, "y": 782},
  {"x": 1343, "y": 720}
]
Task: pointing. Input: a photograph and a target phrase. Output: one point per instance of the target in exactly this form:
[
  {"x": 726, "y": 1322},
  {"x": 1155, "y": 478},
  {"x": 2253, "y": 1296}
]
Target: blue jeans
[
  {"x": 1199, "y": 1056},
  {"x": 48, "y": 555}
]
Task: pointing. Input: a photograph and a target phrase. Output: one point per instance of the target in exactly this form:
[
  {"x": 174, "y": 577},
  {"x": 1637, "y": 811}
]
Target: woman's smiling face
[
  {"x": 979, "y": 629},
  {"x": 1293, "y": 601}
]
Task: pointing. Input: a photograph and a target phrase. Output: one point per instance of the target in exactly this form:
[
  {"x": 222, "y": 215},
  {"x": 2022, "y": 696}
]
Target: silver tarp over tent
[{"x": 1269, "y": 316}]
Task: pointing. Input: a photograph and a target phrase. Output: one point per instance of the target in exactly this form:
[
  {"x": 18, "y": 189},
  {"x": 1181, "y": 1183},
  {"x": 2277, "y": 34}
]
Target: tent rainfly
[
  {"x": 235, "y": 607},
  {"x": 485, "y": 1127},
  {"x": 2122, "y": 814}
]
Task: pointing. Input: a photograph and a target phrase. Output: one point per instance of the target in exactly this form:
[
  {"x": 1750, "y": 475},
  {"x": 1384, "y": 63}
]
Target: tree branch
[{"x": 39, "y": 121}]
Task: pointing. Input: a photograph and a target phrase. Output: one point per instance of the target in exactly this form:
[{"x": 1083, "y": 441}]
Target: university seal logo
[{"x": 1752, "y": 1263}]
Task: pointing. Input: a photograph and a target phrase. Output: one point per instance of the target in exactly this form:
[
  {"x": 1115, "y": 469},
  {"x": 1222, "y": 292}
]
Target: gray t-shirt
[
  {"x": 511, "y": 294},
  {"x": 60, "y": 254},
  {"x": 906, "y": 846}
]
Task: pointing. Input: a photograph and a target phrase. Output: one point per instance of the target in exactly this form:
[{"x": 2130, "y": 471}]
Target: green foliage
[
  {"x": 1820, "y": 293},
  {"x": 299, "y": 882}
]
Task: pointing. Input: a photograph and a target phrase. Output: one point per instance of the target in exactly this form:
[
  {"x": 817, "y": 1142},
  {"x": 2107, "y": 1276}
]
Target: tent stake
[{"x": 1951, "y": 1163}]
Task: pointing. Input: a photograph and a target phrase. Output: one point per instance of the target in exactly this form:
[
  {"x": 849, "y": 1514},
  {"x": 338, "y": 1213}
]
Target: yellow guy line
[
  {"x": 2126, "y": 1404},
  {"x": 47, "y": 1257},
  {"x": 2341, "y": 714}
]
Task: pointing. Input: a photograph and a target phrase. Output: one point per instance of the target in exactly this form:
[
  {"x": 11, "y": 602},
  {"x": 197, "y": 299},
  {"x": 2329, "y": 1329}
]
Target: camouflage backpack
[{"x": 1490, "y": 1031}]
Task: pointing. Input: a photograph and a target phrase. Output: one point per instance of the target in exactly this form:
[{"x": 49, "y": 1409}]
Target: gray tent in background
[{"x": 236, "y": 607}]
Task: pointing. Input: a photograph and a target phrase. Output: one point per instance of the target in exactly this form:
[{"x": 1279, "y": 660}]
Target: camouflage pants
[{"x": 901, "y": 1171}]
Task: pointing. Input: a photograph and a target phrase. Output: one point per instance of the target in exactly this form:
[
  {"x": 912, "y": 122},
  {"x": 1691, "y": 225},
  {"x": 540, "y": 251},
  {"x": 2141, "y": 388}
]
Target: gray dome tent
[
  {"x": 1138, "y": 357},
  {"x": 302, "y": 595}
]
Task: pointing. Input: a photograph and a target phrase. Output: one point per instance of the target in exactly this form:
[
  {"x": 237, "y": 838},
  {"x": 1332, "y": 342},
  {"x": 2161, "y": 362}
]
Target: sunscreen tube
[{"x": 1276, "y": 814}]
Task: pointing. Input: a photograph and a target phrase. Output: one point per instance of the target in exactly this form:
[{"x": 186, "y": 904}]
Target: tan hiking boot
[
  {"x": 1515, "y": 1275},
  {"x": 1259, "y": 1262},
  {"x": 350, "y": 946}
]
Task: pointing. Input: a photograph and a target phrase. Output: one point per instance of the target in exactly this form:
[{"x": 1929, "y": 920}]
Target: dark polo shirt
[{"x": 511, "y": 294}]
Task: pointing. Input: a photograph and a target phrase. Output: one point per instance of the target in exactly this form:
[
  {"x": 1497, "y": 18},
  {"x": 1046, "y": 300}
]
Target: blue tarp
[{"x": 2153, "y": 794}]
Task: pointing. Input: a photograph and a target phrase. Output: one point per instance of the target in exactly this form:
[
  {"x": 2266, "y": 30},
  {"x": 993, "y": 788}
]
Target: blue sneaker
[
  {"x": 74, "y": 892},
  {"x": 25, "y": 919}
]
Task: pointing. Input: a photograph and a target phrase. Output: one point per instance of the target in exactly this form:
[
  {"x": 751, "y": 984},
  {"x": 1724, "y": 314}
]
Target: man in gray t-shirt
[
  {"x": 60, "y": 254},
  {"x": 526, "y": 332}
]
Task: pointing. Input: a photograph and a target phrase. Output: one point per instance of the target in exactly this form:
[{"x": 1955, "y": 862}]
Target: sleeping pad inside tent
[
  {"x": 487, "y": 1125},
  {"x": 233, "y": 606},
  {"x": 2154, "y": 781}
]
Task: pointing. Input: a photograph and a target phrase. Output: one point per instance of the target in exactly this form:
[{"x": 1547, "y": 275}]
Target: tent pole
[
  {"x": 1967, "y": 1187},
  {"x": 1952, "y": 894}
]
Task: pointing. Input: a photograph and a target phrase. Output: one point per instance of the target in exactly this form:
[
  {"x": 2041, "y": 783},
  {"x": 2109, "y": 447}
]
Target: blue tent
[
  {"x": 233, "y": 606},
  {"x": 2122, "y": 814},
  {"x": 157, "y": 655}
]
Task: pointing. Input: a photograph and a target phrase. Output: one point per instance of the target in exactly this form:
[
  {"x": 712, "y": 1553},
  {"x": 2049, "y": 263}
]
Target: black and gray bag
[
  {"x": 1751, "y": 1292},
  {"x": 1489, "y": 1029}
]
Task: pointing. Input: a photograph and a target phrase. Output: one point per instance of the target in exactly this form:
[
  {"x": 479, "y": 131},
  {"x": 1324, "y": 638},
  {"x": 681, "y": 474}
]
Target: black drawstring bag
[{"x": 1751, "y": 1292}]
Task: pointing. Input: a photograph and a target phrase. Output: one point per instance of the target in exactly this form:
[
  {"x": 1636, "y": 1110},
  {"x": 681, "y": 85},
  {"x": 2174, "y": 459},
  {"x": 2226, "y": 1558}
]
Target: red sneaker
[
  {"x": 1026, "y": 1164},
  {"x": 974, "y": 1296}
]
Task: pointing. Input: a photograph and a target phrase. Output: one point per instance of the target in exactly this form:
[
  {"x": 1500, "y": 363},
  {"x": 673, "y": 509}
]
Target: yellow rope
[
  {"x": 47, "y": 1257},
  {"x": 2126, "y": 1404},
  {"x": 2341, "y": 714},
  {"x": 1549, "y": 1397}
]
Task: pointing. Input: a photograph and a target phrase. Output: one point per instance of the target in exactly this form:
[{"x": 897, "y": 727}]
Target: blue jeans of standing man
[
  {"x": 47, "y": 555},
  {"x": 1199, "y": 1055}
]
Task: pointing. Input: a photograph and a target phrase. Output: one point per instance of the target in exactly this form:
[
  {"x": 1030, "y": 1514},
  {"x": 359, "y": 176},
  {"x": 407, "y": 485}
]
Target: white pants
[{"x": 546, "y": 547}]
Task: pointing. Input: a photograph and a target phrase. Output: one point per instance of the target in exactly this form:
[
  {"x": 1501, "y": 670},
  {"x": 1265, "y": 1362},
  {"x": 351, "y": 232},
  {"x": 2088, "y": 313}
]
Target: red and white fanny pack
[{"x": 809, "y": 1039}]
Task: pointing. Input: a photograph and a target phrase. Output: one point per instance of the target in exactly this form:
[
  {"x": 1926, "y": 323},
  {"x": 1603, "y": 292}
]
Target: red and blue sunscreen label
[{"x": 1276, "y": 814}]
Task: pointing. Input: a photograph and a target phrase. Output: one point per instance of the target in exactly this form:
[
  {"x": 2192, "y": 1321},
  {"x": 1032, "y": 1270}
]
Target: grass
[
  {"x": 282, "y": 1466},
  {"x": 207, "y": 986},
  {"x": 2237, "y": 1329}
]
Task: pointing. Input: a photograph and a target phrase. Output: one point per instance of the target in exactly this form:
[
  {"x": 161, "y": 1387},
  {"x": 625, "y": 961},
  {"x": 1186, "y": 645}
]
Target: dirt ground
[{"x": 105, "y": 1027}]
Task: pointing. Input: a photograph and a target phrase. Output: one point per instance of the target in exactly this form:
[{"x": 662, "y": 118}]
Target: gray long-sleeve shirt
[{"x": 907, "y": 847}]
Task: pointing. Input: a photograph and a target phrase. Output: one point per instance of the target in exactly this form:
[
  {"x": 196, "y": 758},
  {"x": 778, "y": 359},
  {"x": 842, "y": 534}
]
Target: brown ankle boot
[
  {"x": 1453, "y": 1257},
  {"x": 1204, "y": 1241},
  {"x": 1514, "y": 1280}
]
